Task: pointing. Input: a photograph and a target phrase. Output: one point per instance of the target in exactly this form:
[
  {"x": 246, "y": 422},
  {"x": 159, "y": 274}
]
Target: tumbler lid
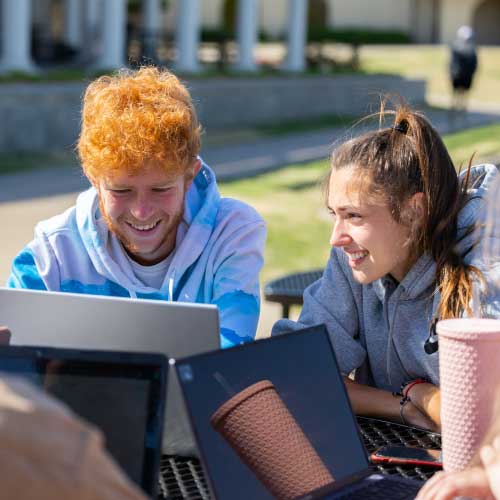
[{"x": 469, "y": 328}]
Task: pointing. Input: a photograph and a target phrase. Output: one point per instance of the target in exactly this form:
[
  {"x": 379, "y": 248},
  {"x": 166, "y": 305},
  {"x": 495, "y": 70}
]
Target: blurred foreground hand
[
  {"x": 47, "y": 452},
  {"x": 481, "y": 481}
]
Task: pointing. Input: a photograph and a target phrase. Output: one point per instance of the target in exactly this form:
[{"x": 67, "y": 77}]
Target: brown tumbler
[{"x": 265, "y": 435}]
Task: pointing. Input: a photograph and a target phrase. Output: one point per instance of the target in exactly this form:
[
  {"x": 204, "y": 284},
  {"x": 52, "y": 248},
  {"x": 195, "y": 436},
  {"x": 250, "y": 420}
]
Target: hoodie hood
[{"x": 200, "y": 213}]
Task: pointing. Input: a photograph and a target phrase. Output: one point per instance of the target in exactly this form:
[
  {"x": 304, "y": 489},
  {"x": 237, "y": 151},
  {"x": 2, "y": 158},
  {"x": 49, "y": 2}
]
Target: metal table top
[{"x": 183, "y": 478}]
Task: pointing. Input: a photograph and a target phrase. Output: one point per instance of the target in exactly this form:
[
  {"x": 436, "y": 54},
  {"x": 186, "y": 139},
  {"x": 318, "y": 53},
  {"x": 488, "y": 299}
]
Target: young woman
[{"x": 403, "y": 255}]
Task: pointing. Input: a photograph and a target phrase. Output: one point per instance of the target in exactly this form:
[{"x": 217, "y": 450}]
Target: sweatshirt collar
[{"x": 419, "y": 278}]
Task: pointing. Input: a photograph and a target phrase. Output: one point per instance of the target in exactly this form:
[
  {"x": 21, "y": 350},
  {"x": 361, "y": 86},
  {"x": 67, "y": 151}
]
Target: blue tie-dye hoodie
[{"x": 217, "y": 261}]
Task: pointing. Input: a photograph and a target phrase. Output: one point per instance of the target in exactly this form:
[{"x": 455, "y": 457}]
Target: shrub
[{"x": 355, "y": 36}]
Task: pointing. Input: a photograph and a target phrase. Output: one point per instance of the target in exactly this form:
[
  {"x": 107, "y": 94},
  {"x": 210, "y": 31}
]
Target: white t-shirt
[{"x": 151, "y": 276}]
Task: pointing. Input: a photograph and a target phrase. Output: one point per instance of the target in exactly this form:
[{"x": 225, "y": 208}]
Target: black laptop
[
  {"x": 296, "y": 374},
  {"x": 122, "y": 393}
]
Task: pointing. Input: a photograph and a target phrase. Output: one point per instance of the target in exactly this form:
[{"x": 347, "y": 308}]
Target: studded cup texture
[
  {"x": 265, "y": 435},
  {"x": 469, "y": 367}
]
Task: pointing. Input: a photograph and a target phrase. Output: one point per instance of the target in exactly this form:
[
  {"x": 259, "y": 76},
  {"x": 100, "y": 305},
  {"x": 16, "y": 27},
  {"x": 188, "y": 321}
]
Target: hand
[
  {"x": 490, "y": 457},
  {"x": 413, "y": 416},
  {"x": 4, "y": 335},
  {"x": 448, "y": 485},
  {"x": 427, "y": 398}
]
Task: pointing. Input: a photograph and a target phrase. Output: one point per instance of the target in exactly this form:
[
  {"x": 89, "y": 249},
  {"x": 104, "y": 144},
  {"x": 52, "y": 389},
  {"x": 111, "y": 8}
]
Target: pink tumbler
[{"x": 469, "y": 367}]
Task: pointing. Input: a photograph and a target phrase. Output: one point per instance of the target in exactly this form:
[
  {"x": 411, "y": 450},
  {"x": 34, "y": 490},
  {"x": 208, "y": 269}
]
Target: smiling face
[
  {"x": 364, "y": 228},
  {"x": 144, "y": 211}
]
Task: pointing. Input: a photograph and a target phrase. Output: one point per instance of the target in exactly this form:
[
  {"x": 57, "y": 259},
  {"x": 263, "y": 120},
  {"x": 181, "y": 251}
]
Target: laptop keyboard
[
  {"x": 182, "y": 478},
  {"x": 380, "y": 490}
]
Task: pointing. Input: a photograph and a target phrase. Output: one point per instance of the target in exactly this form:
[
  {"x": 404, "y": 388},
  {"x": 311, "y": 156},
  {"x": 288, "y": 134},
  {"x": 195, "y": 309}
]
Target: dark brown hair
[{"x": 407, "y": 158}]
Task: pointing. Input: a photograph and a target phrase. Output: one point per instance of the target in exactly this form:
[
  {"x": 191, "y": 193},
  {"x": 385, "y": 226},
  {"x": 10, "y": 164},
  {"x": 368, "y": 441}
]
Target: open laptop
[
  {"x": 122, "y": 393},
  {"x": 304, "y": 372},
  {"x": 80, "y": 321}
]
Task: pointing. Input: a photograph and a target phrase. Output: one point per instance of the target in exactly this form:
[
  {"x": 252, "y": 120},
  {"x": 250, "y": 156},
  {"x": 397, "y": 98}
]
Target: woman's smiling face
[{"x": 364, "y": 228}]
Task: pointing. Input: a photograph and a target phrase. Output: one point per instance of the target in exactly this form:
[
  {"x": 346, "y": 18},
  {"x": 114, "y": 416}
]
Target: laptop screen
[
  {"x": 273, "y": 402},
  {"x": 121, "y": 393}
]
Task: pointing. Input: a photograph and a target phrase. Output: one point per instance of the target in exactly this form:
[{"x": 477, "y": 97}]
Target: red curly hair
[{"x": 137, "y": 117}]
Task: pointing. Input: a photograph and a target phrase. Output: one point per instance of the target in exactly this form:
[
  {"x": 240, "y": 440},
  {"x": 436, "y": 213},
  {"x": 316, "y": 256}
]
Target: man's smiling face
[{"x": 144, "y": 211}]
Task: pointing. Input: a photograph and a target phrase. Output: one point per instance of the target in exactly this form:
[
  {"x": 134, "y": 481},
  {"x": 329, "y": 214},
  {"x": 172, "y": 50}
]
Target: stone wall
[{"x": 42, "y": 117}]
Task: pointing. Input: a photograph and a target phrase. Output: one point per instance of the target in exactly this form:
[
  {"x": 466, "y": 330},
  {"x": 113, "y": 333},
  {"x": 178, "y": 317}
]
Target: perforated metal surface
[
  {"x": 182, "y": 478},
  {"x": 377, "y": 433}
]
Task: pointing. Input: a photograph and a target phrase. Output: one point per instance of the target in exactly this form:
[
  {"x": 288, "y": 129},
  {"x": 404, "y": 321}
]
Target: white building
[
  {"x": 97, "y": 30},
  {"x": 425, "y": 21}
]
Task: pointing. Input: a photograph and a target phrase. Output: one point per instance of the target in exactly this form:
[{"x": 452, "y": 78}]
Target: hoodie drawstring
[{"x": 171, "y": 287}]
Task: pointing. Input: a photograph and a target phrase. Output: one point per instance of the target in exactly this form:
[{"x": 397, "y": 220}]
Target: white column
[
  {"x": 297, "y": 25},
  {"x": 113, "y": 35},
  {"x": 246, "y": 23},
  {"x": 151, "y": 16},
  {"x": 16, "y": 36},
  {"x": 73, "y": 23},
  {"x": 187, "y": 35}
]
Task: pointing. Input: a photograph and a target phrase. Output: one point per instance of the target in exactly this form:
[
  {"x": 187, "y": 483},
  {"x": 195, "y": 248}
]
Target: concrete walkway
[{"x": 29, "y": 197}]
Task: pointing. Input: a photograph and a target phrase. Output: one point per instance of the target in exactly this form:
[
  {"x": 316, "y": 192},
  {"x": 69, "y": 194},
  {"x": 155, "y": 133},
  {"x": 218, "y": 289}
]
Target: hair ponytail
[{"x": 454, "y": 277}]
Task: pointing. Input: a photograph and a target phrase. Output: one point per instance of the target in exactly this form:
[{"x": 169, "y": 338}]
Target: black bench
[{"x": 288, "y": 290}]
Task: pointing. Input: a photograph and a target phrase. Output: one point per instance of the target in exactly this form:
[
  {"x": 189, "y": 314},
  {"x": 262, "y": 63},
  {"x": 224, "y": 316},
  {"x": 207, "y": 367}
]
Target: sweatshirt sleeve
[
  {"x": 36, "y": 267},
  {"x": 333, "y": 300},
  {"x": 236, "y": 289},
  {"x": 24, "y": 272}
]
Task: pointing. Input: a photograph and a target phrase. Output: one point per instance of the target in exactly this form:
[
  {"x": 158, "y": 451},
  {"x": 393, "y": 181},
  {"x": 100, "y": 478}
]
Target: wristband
[{"x": 406, "y": 390}]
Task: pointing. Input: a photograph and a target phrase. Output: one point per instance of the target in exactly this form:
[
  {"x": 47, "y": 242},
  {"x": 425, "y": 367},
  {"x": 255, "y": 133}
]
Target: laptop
[
  {"x": 79, "y": 321},
  {"x": 122, "y": 393},
  {"x": 264, "y": 412}
]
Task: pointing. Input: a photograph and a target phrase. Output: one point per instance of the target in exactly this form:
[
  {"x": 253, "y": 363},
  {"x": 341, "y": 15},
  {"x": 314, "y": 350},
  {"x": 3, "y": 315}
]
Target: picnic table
[
  {"x": 182, "y": 477},
  {"x": 288, "y": 290}
]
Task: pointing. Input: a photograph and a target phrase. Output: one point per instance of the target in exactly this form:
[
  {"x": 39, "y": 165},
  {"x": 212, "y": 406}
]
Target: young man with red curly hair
[{"x": 153, "y": 225}]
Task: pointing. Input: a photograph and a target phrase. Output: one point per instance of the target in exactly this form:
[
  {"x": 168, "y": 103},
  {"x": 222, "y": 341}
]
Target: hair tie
[{"x": 402, "y": 126}]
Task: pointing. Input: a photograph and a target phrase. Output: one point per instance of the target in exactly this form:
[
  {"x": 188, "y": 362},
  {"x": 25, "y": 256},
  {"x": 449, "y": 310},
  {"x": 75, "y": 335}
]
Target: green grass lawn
[
  {"x": 298, "y": 224},
  {"x": 482, "y": 142},
  {"x": 291, "y": 202},
  {"x": 431, "y": 63}
]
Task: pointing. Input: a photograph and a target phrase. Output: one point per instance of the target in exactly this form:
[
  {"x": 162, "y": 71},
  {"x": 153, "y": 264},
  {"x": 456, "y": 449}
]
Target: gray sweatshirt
[{"x": 380, "y": 329}]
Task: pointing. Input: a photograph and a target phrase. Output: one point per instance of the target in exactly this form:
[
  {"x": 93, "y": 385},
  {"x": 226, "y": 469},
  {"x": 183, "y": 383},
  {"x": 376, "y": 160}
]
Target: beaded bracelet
[{"x": 404, "y": 401}]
